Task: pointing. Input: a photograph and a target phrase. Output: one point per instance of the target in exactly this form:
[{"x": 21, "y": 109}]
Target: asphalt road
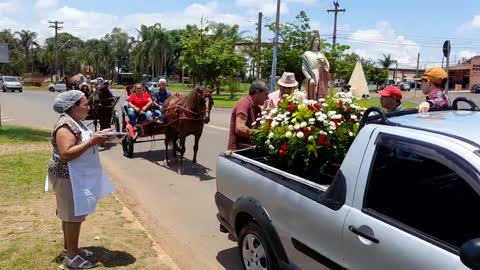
[{"x": 178, "y": 211}]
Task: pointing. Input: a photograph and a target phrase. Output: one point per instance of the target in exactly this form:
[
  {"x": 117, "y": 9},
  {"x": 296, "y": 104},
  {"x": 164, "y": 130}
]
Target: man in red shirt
[
  {"x": 245, "y": 112},
  {"x": 139, "y": 103}
]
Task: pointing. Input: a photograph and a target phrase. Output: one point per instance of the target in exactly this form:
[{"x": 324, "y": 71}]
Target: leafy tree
[{"x": 26, "y": 40}]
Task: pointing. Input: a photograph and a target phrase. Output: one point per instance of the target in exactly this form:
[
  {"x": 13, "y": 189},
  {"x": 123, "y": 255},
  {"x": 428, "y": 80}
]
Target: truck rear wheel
[{"x": 255, "y": 251}]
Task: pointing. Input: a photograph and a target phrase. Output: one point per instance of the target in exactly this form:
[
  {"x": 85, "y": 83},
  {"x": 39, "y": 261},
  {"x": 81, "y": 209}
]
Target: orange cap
[{"x": 435, "y": 75}]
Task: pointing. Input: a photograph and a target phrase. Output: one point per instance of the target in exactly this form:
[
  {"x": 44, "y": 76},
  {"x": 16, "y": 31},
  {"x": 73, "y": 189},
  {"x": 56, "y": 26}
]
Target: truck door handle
[{"x": 362, "y": 234}]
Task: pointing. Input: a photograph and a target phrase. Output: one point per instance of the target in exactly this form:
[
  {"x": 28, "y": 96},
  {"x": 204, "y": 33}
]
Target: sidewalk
[{"x": 30, "y": 233}]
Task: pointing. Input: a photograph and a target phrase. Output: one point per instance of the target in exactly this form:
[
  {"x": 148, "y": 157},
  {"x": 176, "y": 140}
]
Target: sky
[{"x": 371, "y": 27}]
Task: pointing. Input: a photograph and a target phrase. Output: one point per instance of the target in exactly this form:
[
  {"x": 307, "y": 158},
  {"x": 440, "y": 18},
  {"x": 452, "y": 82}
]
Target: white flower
[
  {"x": 323, "y": 132},
  {"x": 331, "y": 113},
  {"x": 258, "y": 119},
  {"x": 353, "y": 106},
  {"x": 254, "y": 123},
  {"x": 271, "y": 147},
  {"x": 297, "y": 126},
  {"x": 262, "y": 122},
  {"x": 321, "y": 100},
  {"x": 267, "y": 142},
  {"x": 300, "y": 135},
  {"x": 264, "y": 112},
  {"x": 353, "y": 117},
  {"x": 337, "y": 116},
  {"x": 287, "y": 113},
  {"x": 290, "y": 127},
  {"x": 288, "y": 134},
  {"x": 268, "y": 117},
  {"x": 271, "y": 135},
  {"x": 325, "y": 123},
  {"x": 274, "y": 111},
  {"x": 324, "y": 105},
  {"x": 310, "y": 138},
  {"x": 350, "y": 134},
  {"x": 274, "y": 124},
  {"x": 330, "y": 132},
  {"x": 303, "y": 124},
  {"x": 311, "y": 120}
]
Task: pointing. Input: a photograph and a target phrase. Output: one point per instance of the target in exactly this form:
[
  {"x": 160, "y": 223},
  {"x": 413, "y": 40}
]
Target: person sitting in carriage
[
  {"x": 85, "y": 88},
  {"x": 160, "y": 96},
  {"x": 139, "y": 106}
]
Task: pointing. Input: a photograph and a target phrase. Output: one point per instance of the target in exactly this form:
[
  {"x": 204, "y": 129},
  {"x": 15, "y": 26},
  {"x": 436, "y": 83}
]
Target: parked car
[
  {"x": 404, "y": 86},
  {"x": 475, "y": 88},
  {"x": 57, "y": 86},
  {"x": 10, "y": 83},
  {"x": 404, "y": 198},
  {"x": 152, "y": 86}
]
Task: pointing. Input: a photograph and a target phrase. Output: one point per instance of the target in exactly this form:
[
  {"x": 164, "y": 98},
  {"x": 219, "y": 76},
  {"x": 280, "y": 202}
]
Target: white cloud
[
  {"x": 267, "y": 7},
  {"x": 383, "y": 39},
  {"x": 466, "y": 54},
  {"x": 10, "y": 7},
  {"x": 45, "y": 5},
  {"x": 474, "y": 24},
  {"x": 196, "y": 10}
]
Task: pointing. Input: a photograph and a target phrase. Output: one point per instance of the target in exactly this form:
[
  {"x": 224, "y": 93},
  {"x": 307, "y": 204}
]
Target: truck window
[{"x": 423, "y": 194}]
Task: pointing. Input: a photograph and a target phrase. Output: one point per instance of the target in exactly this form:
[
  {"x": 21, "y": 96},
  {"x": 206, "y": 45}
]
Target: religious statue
[{"x": 315, "y": 67}]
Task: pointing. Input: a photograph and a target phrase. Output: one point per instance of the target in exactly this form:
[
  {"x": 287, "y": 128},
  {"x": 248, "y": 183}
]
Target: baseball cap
[
  {"x": 391, "y": 91},
  {"x": 435, "y": 75}
]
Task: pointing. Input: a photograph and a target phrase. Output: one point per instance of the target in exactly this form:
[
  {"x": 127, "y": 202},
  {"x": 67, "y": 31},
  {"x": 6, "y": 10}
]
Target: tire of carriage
[
  {"x": 116, "y": 121},
  {"x": 127, "y": 145}
]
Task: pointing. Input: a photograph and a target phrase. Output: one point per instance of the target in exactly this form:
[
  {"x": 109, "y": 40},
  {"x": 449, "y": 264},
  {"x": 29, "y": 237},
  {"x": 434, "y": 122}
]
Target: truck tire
[
  {"x": 51, "y": 89},
  {"x": 255, "y": 250}
]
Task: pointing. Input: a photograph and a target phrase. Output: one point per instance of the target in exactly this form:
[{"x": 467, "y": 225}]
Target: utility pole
[
  {"x": 58, "y": 26},
  {"x": 416, "y": 74},
  {"x": 336, "y": 10},
  {"x": 259, "y": 43},
  {"x": 275, "y": 49}
]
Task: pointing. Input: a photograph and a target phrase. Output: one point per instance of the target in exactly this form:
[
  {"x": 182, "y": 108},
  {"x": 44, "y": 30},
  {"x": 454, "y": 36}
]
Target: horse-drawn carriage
[
  {"x": 102, "y": 111},
  {"x": 183, "y": 116}
]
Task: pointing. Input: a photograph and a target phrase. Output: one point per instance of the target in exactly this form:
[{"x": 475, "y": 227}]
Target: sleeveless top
[{"x": 56, "y": 166}]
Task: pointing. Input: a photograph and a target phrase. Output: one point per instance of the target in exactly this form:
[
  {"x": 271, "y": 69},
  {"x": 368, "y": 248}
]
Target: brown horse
[{"x": 186, "y": 116}]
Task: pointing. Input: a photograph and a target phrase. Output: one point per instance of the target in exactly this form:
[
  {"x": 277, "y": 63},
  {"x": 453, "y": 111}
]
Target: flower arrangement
[{"x": 305, "y": 133}]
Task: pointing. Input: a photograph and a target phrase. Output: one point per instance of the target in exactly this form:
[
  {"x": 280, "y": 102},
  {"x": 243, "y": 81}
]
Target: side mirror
[{"x": 470, "y": 254}]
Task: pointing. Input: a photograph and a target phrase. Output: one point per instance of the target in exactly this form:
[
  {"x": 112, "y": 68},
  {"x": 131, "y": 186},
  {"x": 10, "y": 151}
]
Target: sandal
[
  {"x": 82, "y": 252},
  {"x": 77, "y": 262}
]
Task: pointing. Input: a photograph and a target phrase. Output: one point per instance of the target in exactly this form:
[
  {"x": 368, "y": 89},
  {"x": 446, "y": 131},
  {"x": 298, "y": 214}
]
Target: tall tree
[{"x": 27, "y": 39}]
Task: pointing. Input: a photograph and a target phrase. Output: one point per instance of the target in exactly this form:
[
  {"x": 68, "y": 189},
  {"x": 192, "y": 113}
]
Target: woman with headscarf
[
  {"x": 315, "y": 67},
  {"x": 75, "y": 172}
]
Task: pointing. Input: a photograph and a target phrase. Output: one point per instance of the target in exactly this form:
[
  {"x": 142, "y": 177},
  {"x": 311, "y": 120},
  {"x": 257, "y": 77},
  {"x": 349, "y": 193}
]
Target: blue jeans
[{"x": 132, "y": 116}]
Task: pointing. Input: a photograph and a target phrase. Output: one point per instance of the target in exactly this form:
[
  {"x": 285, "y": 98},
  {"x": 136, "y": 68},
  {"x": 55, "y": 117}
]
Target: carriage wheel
[
  {"x": 127, "y": 145},
  {"x": 116, "y": 122}
]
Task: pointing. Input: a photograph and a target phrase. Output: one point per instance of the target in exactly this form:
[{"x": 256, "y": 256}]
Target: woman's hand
[
  {"x": 100, "y": 137},
  {"x": 423, "y": 107}
]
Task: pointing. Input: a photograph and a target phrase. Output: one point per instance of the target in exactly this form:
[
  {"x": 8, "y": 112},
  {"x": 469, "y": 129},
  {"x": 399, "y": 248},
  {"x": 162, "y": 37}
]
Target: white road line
[{"x": 219, "y": 128}]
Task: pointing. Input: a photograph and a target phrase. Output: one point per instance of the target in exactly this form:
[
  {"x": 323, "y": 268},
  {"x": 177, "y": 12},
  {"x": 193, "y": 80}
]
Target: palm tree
[
  {"x": 27, "y": 41},
  {"x": 386, "y": 62}
]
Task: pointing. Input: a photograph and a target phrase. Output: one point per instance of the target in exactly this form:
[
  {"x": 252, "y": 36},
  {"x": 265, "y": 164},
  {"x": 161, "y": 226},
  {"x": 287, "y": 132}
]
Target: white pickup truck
[{"x": 404, "y": 198}]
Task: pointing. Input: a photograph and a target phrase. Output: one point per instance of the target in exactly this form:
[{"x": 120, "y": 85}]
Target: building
[
  {"x": 466, "y": 74},
  {"x": 397, "y": 74}
]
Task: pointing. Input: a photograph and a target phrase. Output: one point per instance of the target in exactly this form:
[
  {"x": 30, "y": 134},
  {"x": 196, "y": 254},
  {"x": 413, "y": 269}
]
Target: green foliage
[
  {"x": 209, "y": 59},
  {"x": 15, "y": 135}
]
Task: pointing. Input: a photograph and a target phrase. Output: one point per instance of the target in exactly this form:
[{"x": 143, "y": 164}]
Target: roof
[
  {"x": 460, "y": 67},
  {"x": 455, "y": 123}
]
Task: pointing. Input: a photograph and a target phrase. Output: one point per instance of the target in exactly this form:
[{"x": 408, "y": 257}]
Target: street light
[{"x": 56, "y": 58}]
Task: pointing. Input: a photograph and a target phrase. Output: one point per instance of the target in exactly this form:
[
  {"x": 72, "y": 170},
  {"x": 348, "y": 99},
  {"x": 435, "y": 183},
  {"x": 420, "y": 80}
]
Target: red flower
[
  {"x": 321, "y": 138},
  {"x": 283, "y": 149},
  {"x": 336, "y": 123},
  {"x": 318, "y": 107},
  {"x": 270, "y": 121},
  {"x": 328, "y": 143},
  {"x": 340, "y": 105},
  {"x": 343, "y": 118},
  {"x": 349, "y": 110},
  {"x": 290, "y": 107}
]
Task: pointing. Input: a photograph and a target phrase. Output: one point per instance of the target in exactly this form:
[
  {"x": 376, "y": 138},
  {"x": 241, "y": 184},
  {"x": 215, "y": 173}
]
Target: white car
[
  {"x": 152, "y": 86},
  {"x": 10, "y": 83},
  {"x": 58, "y": 86}
]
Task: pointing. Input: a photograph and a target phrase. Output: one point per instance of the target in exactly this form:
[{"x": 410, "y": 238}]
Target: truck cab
[{"x": 403, "y": 198}]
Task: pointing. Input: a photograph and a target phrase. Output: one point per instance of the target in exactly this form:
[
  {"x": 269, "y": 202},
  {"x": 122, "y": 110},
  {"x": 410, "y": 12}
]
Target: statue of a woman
[{"x": 315, "y": 67}]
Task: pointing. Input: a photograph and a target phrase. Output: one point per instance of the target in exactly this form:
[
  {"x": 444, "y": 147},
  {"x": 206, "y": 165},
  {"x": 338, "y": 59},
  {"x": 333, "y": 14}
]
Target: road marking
[{"x": 219, "y": 128}]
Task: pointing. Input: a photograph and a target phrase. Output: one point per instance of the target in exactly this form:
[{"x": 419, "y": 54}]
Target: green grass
[
  {"x": 20, "y": 135},
  {"x": 367, "y": 103},
  {"x": 35, "y": 88}
]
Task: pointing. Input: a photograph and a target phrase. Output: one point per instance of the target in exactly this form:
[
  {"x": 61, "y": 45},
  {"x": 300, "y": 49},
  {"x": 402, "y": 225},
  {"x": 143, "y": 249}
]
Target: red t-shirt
[
  {"x": 139, "y": 102},
  {"x": 244, "y": 106}
]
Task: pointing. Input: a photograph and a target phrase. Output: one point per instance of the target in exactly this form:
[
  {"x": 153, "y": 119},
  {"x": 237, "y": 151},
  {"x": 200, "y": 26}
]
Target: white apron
[{"x": 89, "y": 183}]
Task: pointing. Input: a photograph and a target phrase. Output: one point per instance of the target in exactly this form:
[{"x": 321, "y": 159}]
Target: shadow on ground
[
  {"x": 230, "y": 259},
  {"x": 106, "y": 258},
  {"x": 157, "y": 157}
]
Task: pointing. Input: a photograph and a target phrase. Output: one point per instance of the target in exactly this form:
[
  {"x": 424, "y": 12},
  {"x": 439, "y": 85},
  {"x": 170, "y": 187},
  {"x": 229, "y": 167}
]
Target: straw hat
[{"x": 288, "y": 80}]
